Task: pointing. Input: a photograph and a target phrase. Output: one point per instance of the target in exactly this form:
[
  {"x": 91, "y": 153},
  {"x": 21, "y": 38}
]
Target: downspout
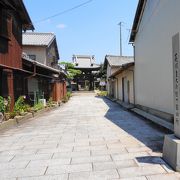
[
  {"x": 134, "y": 74},
  {"x": 31, "y": 76},
  {"x": 117, "y": 86},
  {"x": 34, "y": 72}
]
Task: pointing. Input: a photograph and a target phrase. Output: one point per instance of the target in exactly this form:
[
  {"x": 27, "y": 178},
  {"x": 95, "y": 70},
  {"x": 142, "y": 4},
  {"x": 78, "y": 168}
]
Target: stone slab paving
[{"x": 87, "y": 138}]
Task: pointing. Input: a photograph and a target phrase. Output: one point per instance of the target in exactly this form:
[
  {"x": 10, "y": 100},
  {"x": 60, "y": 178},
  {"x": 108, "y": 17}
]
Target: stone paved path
[{"x": 87, "y": 138}]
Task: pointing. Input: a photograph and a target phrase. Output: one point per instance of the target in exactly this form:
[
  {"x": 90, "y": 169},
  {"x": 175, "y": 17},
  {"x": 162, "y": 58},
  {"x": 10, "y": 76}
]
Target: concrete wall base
[
  {"x": 166, "y": 116},
  {"x": 171, "y": 151}
]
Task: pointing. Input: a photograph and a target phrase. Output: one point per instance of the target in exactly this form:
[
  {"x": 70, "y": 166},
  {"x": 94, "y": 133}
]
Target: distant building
[
  {"x": 41, "y": 55},
  {"x": 120, "y": 79},
  {"x": 86, "y": 81},
  {"x": 41, "y": 47}
]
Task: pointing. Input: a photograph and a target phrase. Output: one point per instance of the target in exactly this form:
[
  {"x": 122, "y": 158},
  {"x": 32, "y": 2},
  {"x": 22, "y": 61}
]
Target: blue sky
[{"x": 89, "y": 30}]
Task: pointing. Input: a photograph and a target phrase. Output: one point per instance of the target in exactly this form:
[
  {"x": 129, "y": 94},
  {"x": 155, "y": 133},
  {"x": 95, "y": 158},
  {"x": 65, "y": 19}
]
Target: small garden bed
[
  {"x": 23, "y": 111},
  {"x": 101, "y": 93}
]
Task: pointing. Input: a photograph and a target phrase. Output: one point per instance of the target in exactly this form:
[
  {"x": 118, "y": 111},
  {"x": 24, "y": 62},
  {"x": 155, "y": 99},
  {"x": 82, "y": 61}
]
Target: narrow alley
[{"x": 87, "y": 138}]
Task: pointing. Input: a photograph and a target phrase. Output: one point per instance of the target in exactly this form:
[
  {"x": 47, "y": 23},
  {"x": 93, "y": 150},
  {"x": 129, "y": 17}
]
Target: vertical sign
[{"x": 176, "y": 83}]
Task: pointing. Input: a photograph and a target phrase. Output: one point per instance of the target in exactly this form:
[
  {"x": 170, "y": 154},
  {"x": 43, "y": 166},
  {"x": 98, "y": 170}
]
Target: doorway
[{"x": 125, "y": 90}]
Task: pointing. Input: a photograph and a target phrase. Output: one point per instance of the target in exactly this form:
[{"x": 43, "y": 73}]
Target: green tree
[
  {"x": 101, "y": 73},
  {"x": 72, "y": 72}
]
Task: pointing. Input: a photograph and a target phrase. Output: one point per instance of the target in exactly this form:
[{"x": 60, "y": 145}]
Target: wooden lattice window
[
  {"x": 5, "y": 30},
  {"x": 17, "y": 29},
  {"x": 5, "y": 24}
]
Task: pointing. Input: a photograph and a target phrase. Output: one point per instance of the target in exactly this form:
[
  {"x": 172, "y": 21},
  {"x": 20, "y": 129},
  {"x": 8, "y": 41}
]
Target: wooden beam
[{"x": 10, "y": 83}]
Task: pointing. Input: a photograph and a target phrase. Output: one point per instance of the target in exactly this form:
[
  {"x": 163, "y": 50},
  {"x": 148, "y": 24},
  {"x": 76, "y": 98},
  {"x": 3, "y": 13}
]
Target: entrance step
[
  {"x": 111, "y": 98},
  {"x": 125, "y": 105},
  {"x": 155, "y": 119}
]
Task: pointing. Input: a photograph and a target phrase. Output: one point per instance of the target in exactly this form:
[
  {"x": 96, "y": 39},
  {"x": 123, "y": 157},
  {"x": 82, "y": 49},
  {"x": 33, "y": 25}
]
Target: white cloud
[{"x": 61, "y": 26}]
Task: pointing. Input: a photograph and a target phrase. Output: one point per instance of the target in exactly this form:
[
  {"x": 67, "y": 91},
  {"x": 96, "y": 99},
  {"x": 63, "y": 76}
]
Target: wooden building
[
  {"x": 42, "y": 81},
  {"x": 14, "y": 19},
  {"x": 19, "y": 74},
  {"x": 41, "y": 50},
  {"x": 88, "y": 67}
]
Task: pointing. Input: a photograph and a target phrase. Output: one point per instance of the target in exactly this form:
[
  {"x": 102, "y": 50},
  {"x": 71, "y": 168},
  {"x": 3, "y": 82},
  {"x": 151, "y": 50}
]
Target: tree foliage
[
  {"x": 72, "y": 72},
  {"x": 101, "y": 73}
]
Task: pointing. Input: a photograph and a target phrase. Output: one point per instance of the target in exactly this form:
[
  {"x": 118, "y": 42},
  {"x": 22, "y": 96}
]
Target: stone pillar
[{"x": 171, "y": 148}]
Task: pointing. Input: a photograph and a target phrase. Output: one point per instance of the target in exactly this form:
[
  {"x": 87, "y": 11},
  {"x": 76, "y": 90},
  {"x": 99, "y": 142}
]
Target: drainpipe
[
  {"x": 34, "y": 72},
  {"x": 117, "y": 89},
  {"x": 134, "y": 74},
  {"x": 31, "y": 76}
]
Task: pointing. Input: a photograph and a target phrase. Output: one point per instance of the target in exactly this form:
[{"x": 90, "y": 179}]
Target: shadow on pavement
[{"x": 143, "y": 130}]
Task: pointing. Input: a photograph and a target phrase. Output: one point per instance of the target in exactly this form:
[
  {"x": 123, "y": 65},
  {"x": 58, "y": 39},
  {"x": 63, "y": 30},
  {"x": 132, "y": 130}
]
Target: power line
[{"x": 63, "y": 12}]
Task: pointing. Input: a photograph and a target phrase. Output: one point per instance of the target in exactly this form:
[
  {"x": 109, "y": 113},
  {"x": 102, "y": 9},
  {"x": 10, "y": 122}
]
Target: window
[
  {"x": 3, "y": 45},
  {"x": 5, "y": 24},
  {"x": 32, "y": 56},
  {"x": 17, "y": 30},
  {"x": 5, "y": 30}
]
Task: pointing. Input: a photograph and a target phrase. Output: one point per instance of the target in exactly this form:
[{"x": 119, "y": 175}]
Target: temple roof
[{"x": 85, "y": 62}]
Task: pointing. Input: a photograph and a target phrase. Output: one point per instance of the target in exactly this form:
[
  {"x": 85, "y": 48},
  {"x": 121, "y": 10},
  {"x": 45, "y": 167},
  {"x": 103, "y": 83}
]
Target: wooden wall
[
  {"x": 13, "y": 57},
  {"x": 10, "y": 39},
  {"x": 58, "y": 91}
]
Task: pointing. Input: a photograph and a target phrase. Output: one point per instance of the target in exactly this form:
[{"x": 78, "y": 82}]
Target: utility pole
[{"x": 120, "y": 25}]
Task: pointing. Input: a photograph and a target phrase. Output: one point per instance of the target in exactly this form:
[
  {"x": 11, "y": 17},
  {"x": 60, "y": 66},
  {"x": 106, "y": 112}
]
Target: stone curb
[
  {"x": 20, "y": 119},
  {"x": 156, "y": 120}
]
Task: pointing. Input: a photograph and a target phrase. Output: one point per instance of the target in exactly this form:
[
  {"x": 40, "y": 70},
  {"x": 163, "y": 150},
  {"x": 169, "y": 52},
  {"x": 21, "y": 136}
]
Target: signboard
[{"x": 176, "y": 83}]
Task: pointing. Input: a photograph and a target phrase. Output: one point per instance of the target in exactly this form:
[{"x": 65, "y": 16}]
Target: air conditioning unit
[{"x": 43, "y": 101}]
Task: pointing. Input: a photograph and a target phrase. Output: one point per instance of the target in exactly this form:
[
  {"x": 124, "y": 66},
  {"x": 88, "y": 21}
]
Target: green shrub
[
  {"x": 65, "y": 99},
  {"x": 8, "y": 104},
  {"x": 69, "y": 94},
  {"x": 12, "y": 115},
  {"x": 38, "y": 106},
  {"x": 2, "y": 105},
  {"x": 19, "y": 106},
  {"x": 102, "y": 93},
  {"x": 50, "y": 102},
  {"x": 27, "y": 108}
]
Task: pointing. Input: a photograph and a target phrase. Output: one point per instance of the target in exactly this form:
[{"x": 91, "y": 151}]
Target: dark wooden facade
[
  {"x": 58, "y": 91},
  {"x": 16, "y": 71},
  {"x": 51, "y": 82},
  {"x": 13, "y": 20}
]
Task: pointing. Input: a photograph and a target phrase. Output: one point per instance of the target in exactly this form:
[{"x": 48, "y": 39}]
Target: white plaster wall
[
  {"x": 40, "y": 53},
  {"x": 110, "y": 71},
  {"x": 153, "y": 54},
  {"x": 129, "y": 75}
]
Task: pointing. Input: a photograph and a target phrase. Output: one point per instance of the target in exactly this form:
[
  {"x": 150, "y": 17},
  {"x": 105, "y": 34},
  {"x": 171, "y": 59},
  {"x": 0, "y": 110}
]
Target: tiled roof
[
  {"x": 25, "y": 57},
  {"x": 38, "y": 39},
  {"x": 19, "y": 7},
  {"x": 118, "y": 60},
  {"x": 84, "y": 61}
]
